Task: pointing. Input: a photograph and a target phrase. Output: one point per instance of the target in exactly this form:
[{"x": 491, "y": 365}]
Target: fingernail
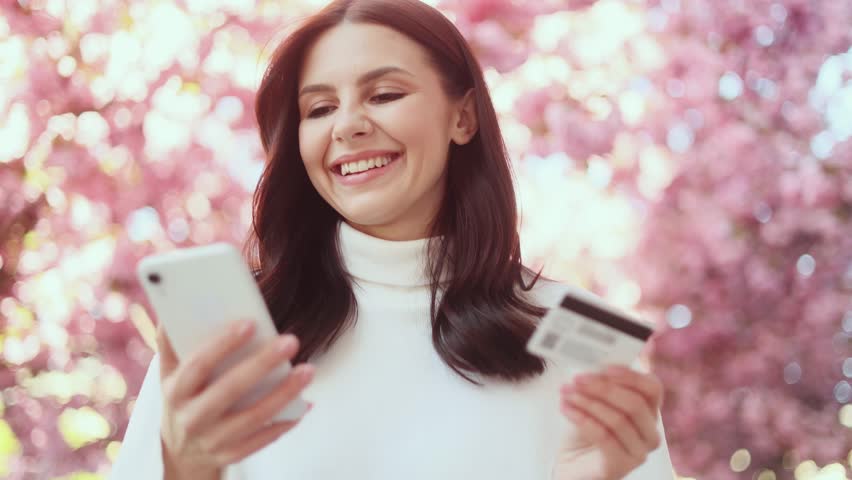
[
  {"x": 285, "y": 343},
  {"x": 582, "y": 379},
  {"x": 244, "y": 327},
  {"x": 567, "y": 388},
  {"x": 305, "y": 372}
]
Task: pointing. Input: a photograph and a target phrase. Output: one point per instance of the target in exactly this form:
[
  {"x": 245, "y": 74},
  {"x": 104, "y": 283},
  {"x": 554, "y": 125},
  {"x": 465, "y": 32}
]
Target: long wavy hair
[{"x": 481, "y": 318}]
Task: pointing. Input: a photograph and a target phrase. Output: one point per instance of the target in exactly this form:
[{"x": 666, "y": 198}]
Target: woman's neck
[{"x": 377, "y": 260}]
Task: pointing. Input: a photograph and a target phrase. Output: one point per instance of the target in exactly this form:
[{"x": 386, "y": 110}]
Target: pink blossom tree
[{"x": 747, "y": 254}]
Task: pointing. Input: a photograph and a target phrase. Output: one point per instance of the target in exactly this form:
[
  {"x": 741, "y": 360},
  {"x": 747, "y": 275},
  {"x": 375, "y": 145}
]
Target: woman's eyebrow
[{"x": 365, "y": 78}]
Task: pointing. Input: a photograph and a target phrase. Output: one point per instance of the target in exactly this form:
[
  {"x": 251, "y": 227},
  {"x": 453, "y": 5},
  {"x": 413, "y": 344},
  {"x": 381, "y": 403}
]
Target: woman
[{"x": 386, "y": 247}]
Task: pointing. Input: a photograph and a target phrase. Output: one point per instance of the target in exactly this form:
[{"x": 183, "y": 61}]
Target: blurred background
[{"x": 689, "y": 160}]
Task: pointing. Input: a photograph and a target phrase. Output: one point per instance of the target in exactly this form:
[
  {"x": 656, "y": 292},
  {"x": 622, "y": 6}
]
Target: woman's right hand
[{"x": 200, "y": 436}]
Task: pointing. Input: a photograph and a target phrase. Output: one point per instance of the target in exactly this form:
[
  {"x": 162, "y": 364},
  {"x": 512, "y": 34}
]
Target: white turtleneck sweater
[{"x": 386, "y": 407}]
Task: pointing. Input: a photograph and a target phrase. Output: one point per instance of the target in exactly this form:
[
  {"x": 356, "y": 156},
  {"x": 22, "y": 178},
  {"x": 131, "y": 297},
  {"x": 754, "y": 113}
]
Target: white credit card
[{"x": 588, "y": 335}]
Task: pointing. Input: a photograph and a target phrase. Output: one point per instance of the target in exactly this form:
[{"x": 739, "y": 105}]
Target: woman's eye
[
  {"x": 320, "y": 111},
  {"x": 380, "y": 98},
  {"x": 386, "y": 97}
]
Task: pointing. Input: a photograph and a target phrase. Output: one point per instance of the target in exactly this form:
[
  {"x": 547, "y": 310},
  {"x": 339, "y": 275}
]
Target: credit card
[{"x": 588, "y": 335}]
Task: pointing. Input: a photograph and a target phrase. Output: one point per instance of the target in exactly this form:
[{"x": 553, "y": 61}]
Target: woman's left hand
[{"x": 615, "y": 413}]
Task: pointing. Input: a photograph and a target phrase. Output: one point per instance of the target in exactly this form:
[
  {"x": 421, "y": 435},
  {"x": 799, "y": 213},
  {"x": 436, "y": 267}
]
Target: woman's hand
[
  {"x": 615, "y": 413},
  {"x": 199, "y": 434}
]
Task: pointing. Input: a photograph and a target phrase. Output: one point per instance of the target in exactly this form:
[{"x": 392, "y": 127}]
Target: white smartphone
[
  {"x": 588, "y": 334},
  {"x": 199, "y": 291}
]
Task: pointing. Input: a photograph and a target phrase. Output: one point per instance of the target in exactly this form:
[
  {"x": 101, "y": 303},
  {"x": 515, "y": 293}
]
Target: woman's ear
[{"x": 465, "y": 122}]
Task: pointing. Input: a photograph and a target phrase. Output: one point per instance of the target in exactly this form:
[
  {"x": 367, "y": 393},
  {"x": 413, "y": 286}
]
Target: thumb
[{"x": 168, "y": 357}]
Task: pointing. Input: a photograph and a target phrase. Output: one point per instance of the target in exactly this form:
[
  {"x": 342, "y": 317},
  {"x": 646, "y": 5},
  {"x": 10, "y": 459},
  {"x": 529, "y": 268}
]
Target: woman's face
[{"x": 375, "y": 129}]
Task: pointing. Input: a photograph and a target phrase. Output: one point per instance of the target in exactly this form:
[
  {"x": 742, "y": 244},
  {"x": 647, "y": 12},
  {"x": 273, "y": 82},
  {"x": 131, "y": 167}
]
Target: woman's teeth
[{"x": 364, "y": 165}]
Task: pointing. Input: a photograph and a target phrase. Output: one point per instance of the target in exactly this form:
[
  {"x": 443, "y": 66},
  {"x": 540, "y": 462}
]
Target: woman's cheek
[
  {"x": 419, "y": 123},
  {"x": 311, "y": 148}
]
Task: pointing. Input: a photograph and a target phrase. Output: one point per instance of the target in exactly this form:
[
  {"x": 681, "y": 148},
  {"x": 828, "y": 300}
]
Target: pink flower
[{"x": 575, "y": 133}]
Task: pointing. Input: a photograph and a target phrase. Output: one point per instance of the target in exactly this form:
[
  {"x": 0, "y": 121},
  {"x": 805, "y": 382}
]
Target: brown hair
[{"x": 482, "y": 321}]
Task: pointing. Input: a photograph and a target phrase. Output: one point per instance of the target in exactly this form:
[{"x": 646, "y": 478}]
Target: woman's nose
[{"x": 351, "y": 124}]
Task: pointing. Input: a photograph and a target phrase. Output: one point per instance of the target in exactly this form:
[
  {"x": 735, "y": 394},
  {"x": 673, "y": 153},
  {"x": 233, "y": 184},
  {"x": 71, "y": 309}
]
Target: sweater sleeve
[
  {"x": 141, "y": 455},
  {"x": 658, "y": 465}
]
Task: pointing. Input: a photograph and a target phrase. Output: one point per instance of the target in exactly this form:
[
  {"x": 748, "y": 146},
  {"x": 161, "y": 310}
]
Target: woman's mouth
[{"x": 362, "y": 171}]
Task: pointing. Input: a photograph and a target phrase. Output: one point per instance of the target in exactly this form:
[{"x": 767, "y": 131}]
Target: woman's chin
[{"x": 368, "y": 217}]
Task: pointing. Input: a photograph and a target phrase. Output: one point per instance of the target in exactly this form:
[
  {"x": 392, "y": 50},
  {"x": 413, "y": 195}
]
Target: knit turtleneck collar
[{"x": 398, "y": 263}]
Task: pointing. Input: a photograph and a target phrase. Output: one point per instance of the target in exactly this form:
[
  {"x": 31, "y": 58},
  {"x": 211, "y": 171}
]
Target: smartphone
[
  {"x": 587, "y": 334},
  {"x": 196, "y": 293}
]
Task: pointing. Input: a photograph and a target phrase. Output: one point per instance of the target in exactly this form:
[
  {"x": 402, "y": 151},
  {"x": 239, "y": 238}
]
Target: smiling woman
[
  {"x": 356, "y": 89},
  {"x": 385, "y": 244}
]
